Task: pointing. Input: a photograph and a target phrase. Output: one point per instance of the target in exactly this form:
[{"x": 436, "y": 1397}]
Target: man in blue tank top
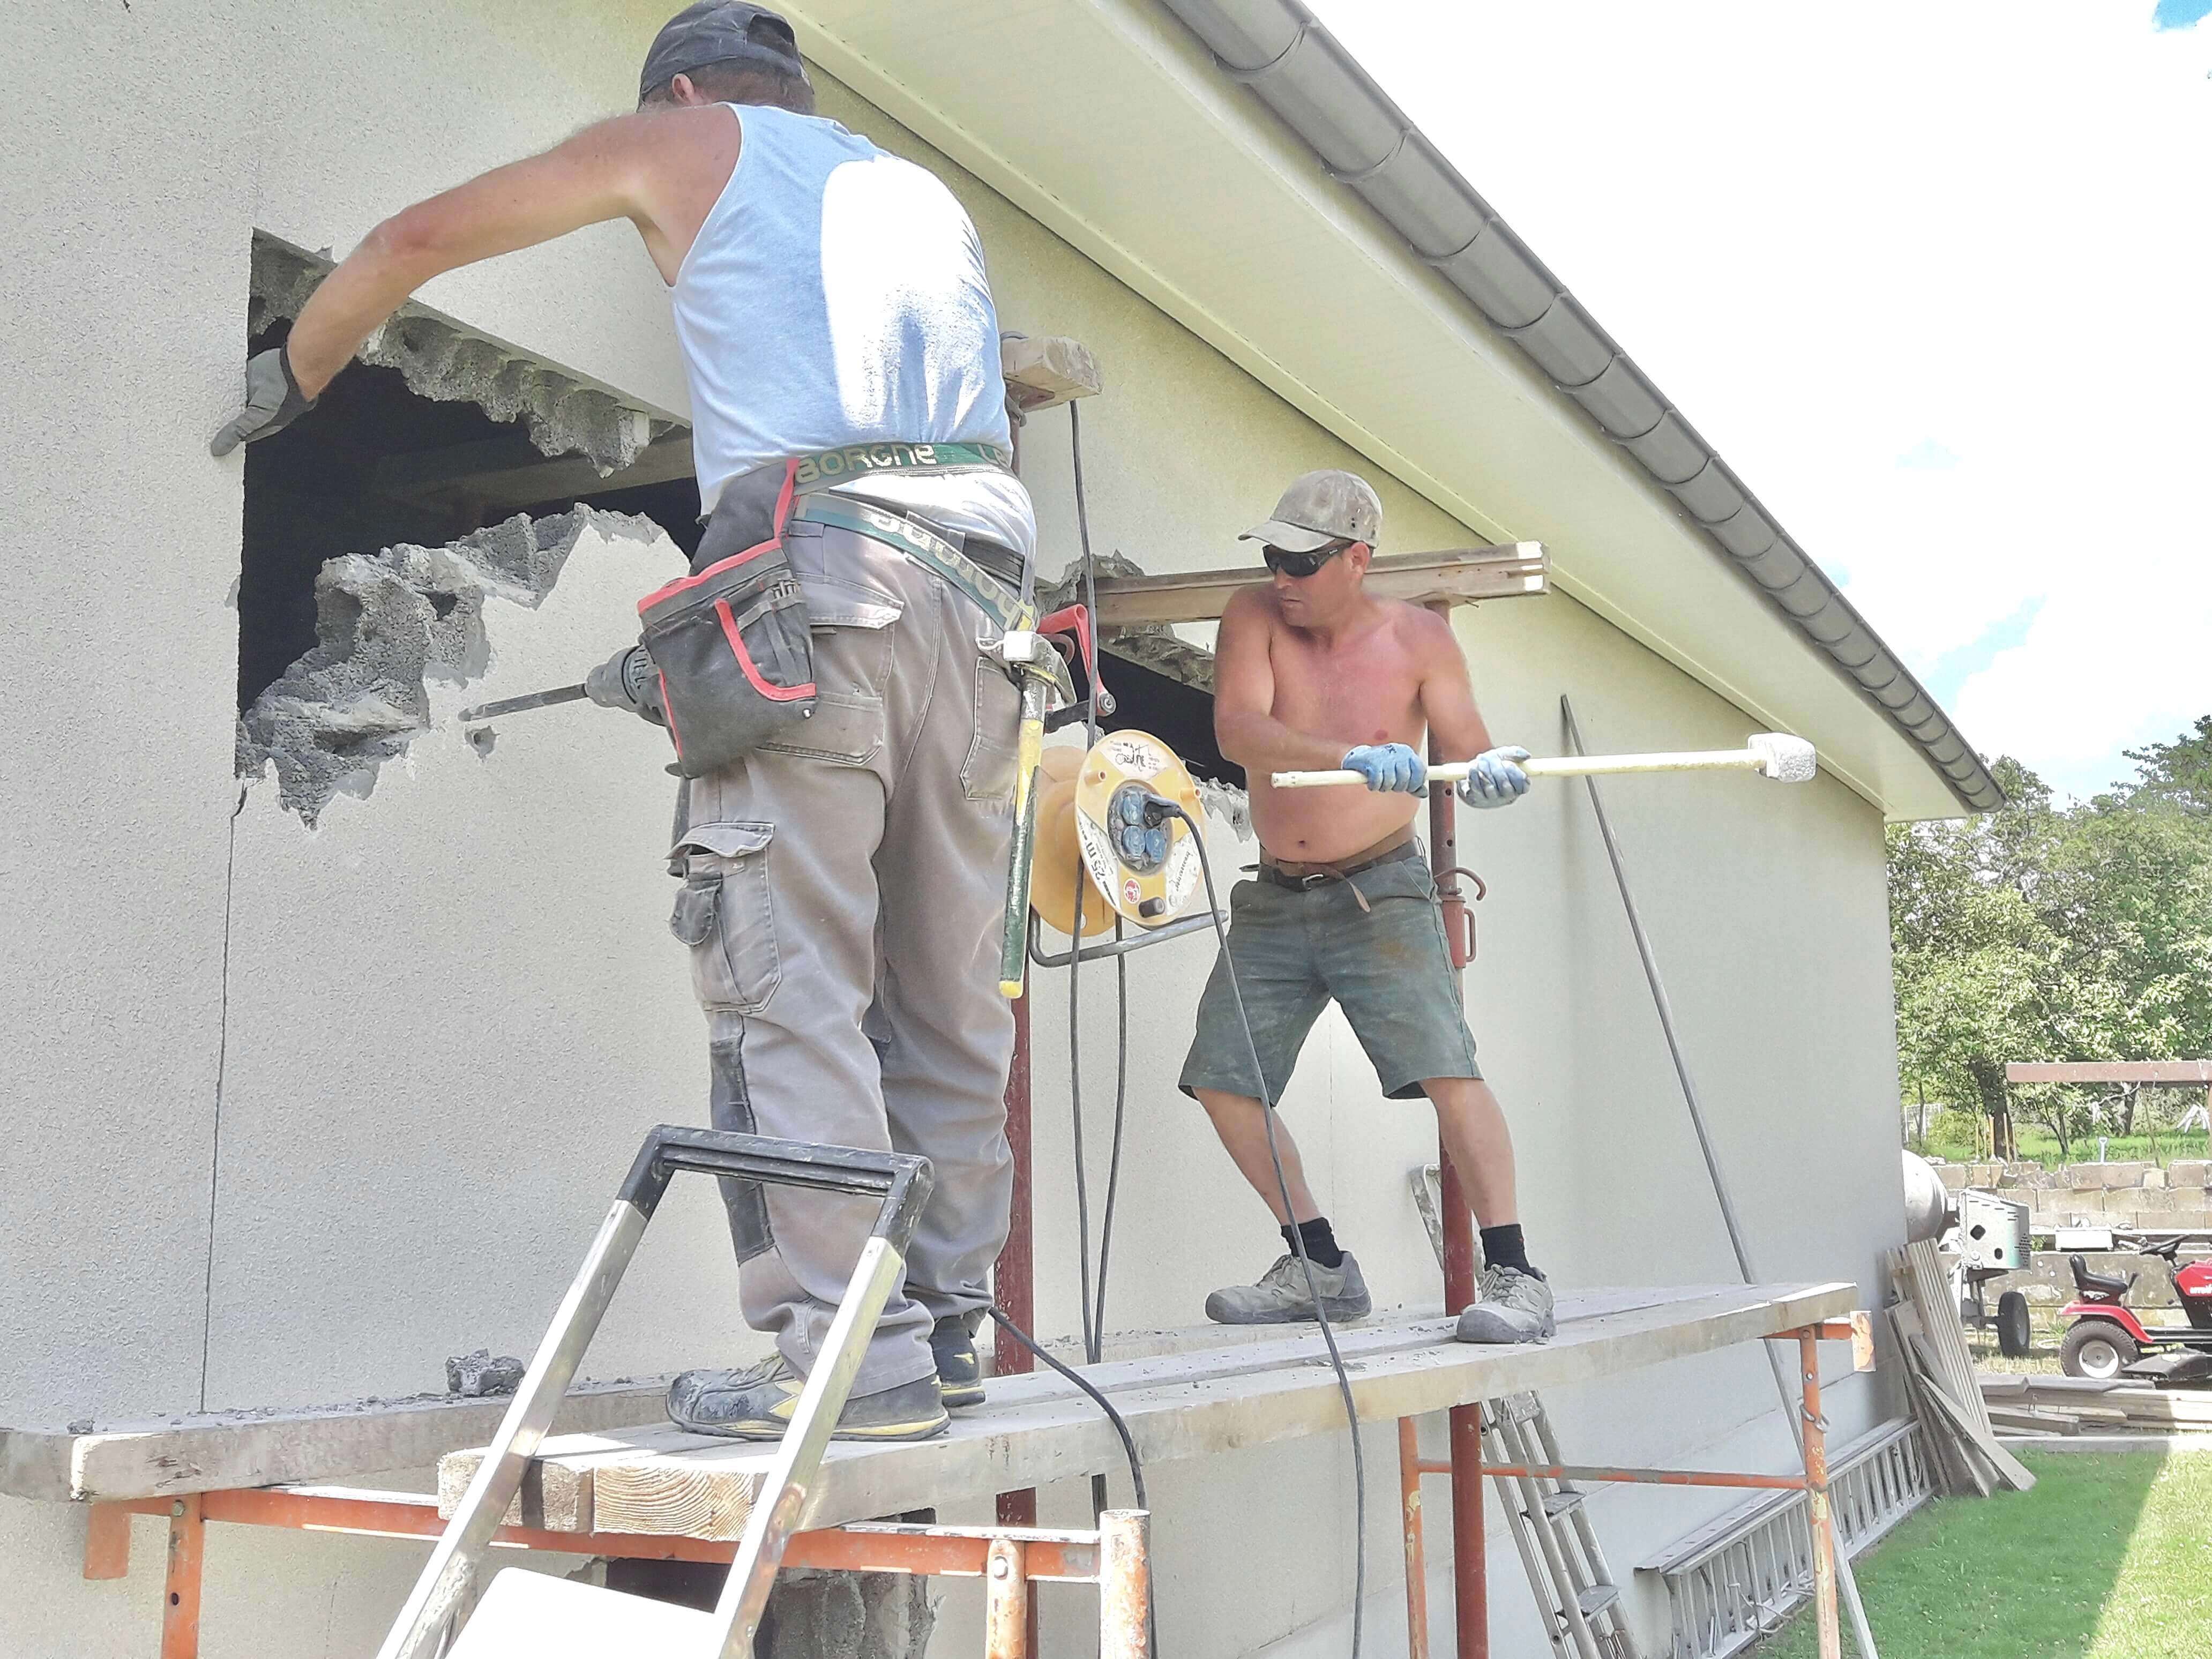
[{"x": 843, "y": 885}]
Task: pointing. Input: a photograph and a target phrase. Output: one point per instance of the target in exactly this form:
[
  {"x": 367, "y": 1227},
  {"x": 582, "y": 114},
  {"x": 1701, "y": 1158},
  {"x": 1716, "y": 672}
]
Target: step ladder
[
  {"x": 518, "y": 1614},
  {"x": 1574, "y": 1588}
]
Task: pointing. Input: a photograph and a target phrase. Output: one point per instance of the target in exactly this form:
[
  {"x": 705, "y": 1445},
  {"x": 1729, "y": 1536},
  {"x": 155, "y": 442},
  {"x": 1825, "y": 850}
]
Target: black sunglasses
[{"x": 1301, "y": 564}]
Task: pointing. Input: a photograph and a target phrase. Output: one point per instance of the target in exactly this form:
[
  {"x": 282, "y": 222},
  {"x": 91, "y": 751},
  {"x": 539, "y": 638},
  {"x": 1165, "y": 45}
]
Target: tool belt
[{"x": 733, "y": 642}]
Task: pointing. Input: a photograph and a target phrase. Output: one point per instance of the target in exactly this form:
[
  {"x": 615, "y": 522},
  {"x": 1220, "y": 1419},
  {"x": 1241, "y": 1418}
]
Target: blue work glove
[
  {"x": 1495, "y": 778},
  {"x": 1390, "y": 766}
]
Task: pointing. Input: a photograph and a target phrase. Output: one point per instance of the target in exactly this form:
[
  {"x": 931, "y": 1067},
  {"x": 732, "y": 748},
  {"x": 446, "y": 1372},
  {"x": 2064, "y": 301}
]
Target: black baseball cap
[{"x": 719, "y": 32}]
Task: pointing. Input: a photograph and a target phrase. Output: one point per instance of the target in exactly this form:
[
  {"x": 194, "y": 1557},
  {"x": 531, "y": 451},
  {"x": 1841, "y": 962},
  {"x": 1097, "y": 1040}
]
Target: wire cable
[
  {"x": 1128, "y": 1444},
  {"x": 1159, "y": 808}
]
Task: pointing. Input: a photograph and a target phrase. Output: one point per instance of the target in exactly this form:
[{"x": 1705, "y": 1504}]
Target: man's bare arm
[
  {"x": 1244, "y": 695},
  {"x": 605, "y": 172},
  {"x": 1447, "y": 697}
]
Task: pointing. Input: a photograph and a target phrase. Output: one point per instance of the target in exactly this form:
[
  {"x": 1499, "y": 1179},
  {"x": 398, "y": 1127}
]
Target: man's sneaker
[
  {"x": 757, "y": 1404},
  {"x": 1512, "y": 1307},
  {"x": 1281, "y": 1298},
  {"x": 959, "y": 1373}
]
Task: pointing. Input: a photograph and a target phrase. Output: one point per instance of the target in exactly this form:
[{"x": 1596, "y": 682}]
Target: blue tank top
[{"x": 835, "y": 295}]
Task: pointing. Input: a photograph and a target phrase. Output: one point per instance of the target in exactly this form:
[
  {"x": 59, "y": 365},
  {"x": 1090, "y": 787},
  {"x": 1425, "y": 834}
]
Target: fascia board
[{"x": 1255, "y": 242}]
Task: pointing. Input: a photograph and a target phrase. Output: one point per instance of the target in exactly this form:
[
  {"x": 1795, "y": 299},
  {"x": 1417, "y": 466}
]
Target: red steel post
[
  {"x": 1471, "y": 1593},
  {"x": 1007, "y": 1601},
  {"x": 1409, "y": 1513},
  {"x": 1818, "y": 1513},
  {"x": 1125, "y": 1584},
  {"x": 180, "y": 1602}
]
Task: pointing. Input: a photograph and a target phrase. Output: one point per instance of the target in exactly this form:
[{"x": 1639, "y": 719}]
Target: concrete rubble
[{"x": 389, "y": 623}]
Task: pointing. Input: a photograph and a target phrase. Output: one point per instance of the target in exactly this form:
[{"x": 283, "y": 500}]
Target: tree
[
  {"x": 2180, "y": 771},
  {"x": 2040, "y": 932}
]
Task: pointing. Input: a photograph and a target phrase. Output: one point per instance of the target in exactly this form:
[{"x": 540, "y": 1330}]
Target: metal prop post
[
  {"x": 1795, "y": 1399},
  {"x": 1470, "y": 1581}
]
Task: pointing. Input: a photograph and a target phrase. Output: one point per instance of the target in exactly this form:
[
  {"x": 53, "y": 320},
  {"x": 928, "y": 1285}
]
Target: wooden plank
[
  {"x": 2198, "y": 1071},
  {"x": 1185, "y": 1406},
  {"x": 1465, "y": 575},
  {"x": 2015, "y": 1472},
  {"x": 566, "y": 1488},
  {"x": 1956, "y": 1468},
  {"x": 1050, "y": 370},
  {"x": 106, "y": 1541},
  {"x": 210, "y": 1451}
]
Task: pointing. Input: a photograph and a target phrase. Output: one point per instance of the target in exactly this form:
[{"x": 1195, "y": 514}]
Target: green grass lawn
[
  {"x": 2109, "y": 1557},
  {"x": 2039, "y": 1145}
]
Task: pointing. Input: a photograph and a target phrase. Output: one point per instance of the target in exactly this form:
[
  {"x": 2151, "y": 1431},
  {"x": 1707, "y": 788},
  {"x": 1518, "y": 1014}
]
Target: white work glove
[
  {"x": 273, "y": 401},
  {"x": 1389, "y": 767},
  {"x": 1494, "y": 778}
]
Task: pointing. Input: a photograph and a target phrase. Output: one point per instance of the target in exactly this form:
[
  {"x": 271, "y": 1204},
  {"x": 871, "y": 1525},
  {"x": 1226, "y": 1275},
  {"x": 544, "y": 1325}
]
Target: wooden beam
[
  {"x": 500, "y": 473},
  {"x": 2198, "y": 1071},
  {"x": 1043, "y": 373},
  {"x": 1035, "y": 1430},
  {"x": 207, "y": 1452},
  {"x": 1458, "y": 576}
]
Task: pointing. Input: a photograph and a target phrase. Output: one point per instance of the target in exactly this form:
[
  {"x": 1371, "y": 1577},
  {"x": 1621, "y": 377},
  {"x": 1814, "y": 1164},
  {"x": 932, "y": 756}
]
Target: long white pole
[{"x": 1564, "y": 766}]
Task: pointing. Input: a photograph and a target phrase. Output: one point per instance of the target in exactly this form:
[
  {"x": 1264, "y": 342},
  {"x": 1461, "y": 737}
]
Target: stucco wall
[{"x": 446, "y": 1012}]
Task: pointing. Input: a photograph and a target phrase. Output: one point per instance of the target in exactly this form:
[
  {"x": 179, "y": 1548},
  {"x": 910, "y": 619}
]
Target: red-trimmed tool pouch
[{"x": 735, "y": 650}]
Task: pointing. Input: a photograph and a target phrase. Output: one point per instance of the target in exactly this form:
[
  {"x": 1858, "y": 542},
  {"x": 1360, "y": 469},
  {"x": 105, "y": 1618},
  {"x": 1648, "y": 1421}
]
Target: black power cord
[
  {"x": 1128, "y": 1444},
  {"x": 1092, "y": 1313},
  {"x": 1157, "y": 810}
]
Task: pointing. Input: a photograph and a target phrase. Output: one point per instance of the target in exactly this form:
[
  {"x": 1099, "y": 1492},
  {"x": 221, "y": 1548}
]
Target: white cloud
[{"x": 1933, "y": 278}]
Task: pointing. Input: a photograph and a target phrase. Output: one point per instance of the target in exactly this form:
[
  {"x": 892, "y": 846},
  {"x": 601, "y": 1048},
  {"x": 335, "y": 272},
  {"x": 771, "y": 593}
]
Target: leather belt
[{"x": 1303, "y": 878}]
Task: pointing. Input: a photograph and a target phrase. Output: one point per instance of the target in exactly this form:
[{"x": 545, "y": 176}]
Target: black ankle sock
[
  {"x": 1320, "y": 1240},
  {"x": 1502, "y": 1247}
]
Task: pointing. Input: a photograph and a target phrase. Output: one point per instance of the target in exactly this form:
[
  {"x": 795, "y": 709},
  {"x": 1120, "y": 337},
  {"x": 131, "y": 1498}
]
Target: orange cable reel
[{"x": 1089, "y": 829}]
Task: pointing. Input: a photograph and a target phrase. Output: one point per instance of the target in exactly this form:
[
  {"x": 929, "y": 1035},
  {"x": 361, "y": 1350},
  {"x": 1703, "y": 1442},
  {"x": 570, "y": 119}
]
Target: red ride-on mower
[{"x": 2106, "y": 1341}]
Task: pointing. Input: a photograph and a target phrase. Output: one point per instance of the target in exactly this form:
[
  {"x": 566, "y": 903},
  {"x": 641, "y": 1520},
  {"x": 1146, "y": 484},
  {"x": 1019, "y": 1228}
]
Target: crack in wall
[
  {"x": 443, "y": 360},
  {"x": 389, "y": 623}
]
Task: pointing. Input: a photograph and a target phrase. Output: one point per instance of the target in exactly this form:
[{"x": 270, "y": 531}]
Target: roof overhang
[{"x": 1076, "y": 111}]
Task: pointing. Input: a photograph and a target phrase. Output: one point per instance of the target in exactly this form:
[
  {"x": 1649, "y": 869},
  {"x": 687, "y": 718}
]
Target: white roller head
[{"x": 1784, "y": 758}]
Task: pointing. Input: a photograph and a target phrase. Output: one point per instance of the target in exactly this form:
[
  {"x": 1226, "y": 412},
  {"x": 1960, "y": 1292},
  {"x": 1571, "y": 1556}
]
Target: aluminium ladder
[{"x": 1574, "y": 1590}]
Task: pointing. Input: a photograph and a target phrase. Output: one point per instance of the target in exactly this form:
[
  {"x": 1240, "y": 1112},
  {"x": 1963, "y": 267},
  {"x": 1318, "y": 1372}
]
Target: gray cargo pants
[{"x": 843, "y": 899}]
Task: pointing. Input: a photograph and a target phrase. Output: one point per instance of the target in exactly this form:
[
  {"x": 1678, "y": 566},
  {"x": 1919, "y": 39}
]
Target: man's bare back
[{"x": 1363, "y": 671}]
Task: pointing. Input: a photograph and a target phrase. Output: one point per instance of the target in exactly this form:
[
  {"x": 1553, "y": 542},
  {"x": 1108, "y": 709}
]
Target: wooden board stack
[
  {"x": 2073, "y": 1405},
  {"x": 1939, "y": 1381}
]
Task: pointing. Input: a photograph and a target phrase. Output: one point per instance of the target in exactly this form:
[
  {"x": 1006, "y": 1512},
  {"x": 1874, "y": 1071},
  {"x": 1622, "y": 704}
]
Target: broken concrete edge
[
  {"x": 444, "y": 359},
  {"x": 389, "y": 623},
  {"x": 213, "y": 1451}
]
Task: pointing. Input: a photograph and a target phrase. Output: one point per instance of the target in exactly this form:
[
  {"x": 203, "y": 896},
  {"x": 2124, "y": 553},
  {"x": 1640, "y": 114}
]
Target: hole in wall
[{"x": 376, "y": 465}]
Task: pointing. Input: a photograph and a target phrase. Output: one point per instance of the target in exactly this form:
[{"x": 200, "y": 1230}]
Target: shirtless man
[{"x": 1312, "y": 674}]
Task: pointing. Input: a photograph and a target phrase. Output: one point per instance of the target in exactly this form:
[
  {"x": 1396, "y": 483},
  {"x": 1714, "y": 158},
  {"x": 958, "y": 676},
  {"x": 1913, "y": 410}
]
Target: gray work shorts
[{"x": 1388, "y": 967}]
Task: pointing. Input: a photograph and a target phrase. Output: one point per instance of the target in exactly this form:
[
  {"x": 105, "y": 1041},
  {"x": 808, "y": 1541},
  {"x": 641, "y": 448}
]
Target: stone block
[
  {"x": 2188, "y": 1172},
  {"x": 1984, "y": 1175},
  {"x": 2083, "y": 1177},
  {"x": 2007, "y": 1177},
  {"x": 1953, "y": 1175},
  {"x": 2154, "y": 1178},
  {"x": 2126, "y": 1175}
]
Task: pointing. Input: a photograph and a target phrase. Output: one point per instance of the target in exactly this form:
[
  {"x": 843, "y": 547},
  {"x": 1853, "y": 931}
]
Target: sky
[{"x": 1935, "y": 278}]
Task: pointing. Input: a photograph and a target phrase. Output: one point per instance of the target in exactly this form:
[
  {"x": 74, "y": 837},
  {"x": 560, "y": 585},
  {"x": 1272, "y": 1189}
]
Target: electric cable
[
  {"x": 1157, "y": 809},
  {"x": 1097, "y": 1312},
  {"x": 1128, "y": 1444}
]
